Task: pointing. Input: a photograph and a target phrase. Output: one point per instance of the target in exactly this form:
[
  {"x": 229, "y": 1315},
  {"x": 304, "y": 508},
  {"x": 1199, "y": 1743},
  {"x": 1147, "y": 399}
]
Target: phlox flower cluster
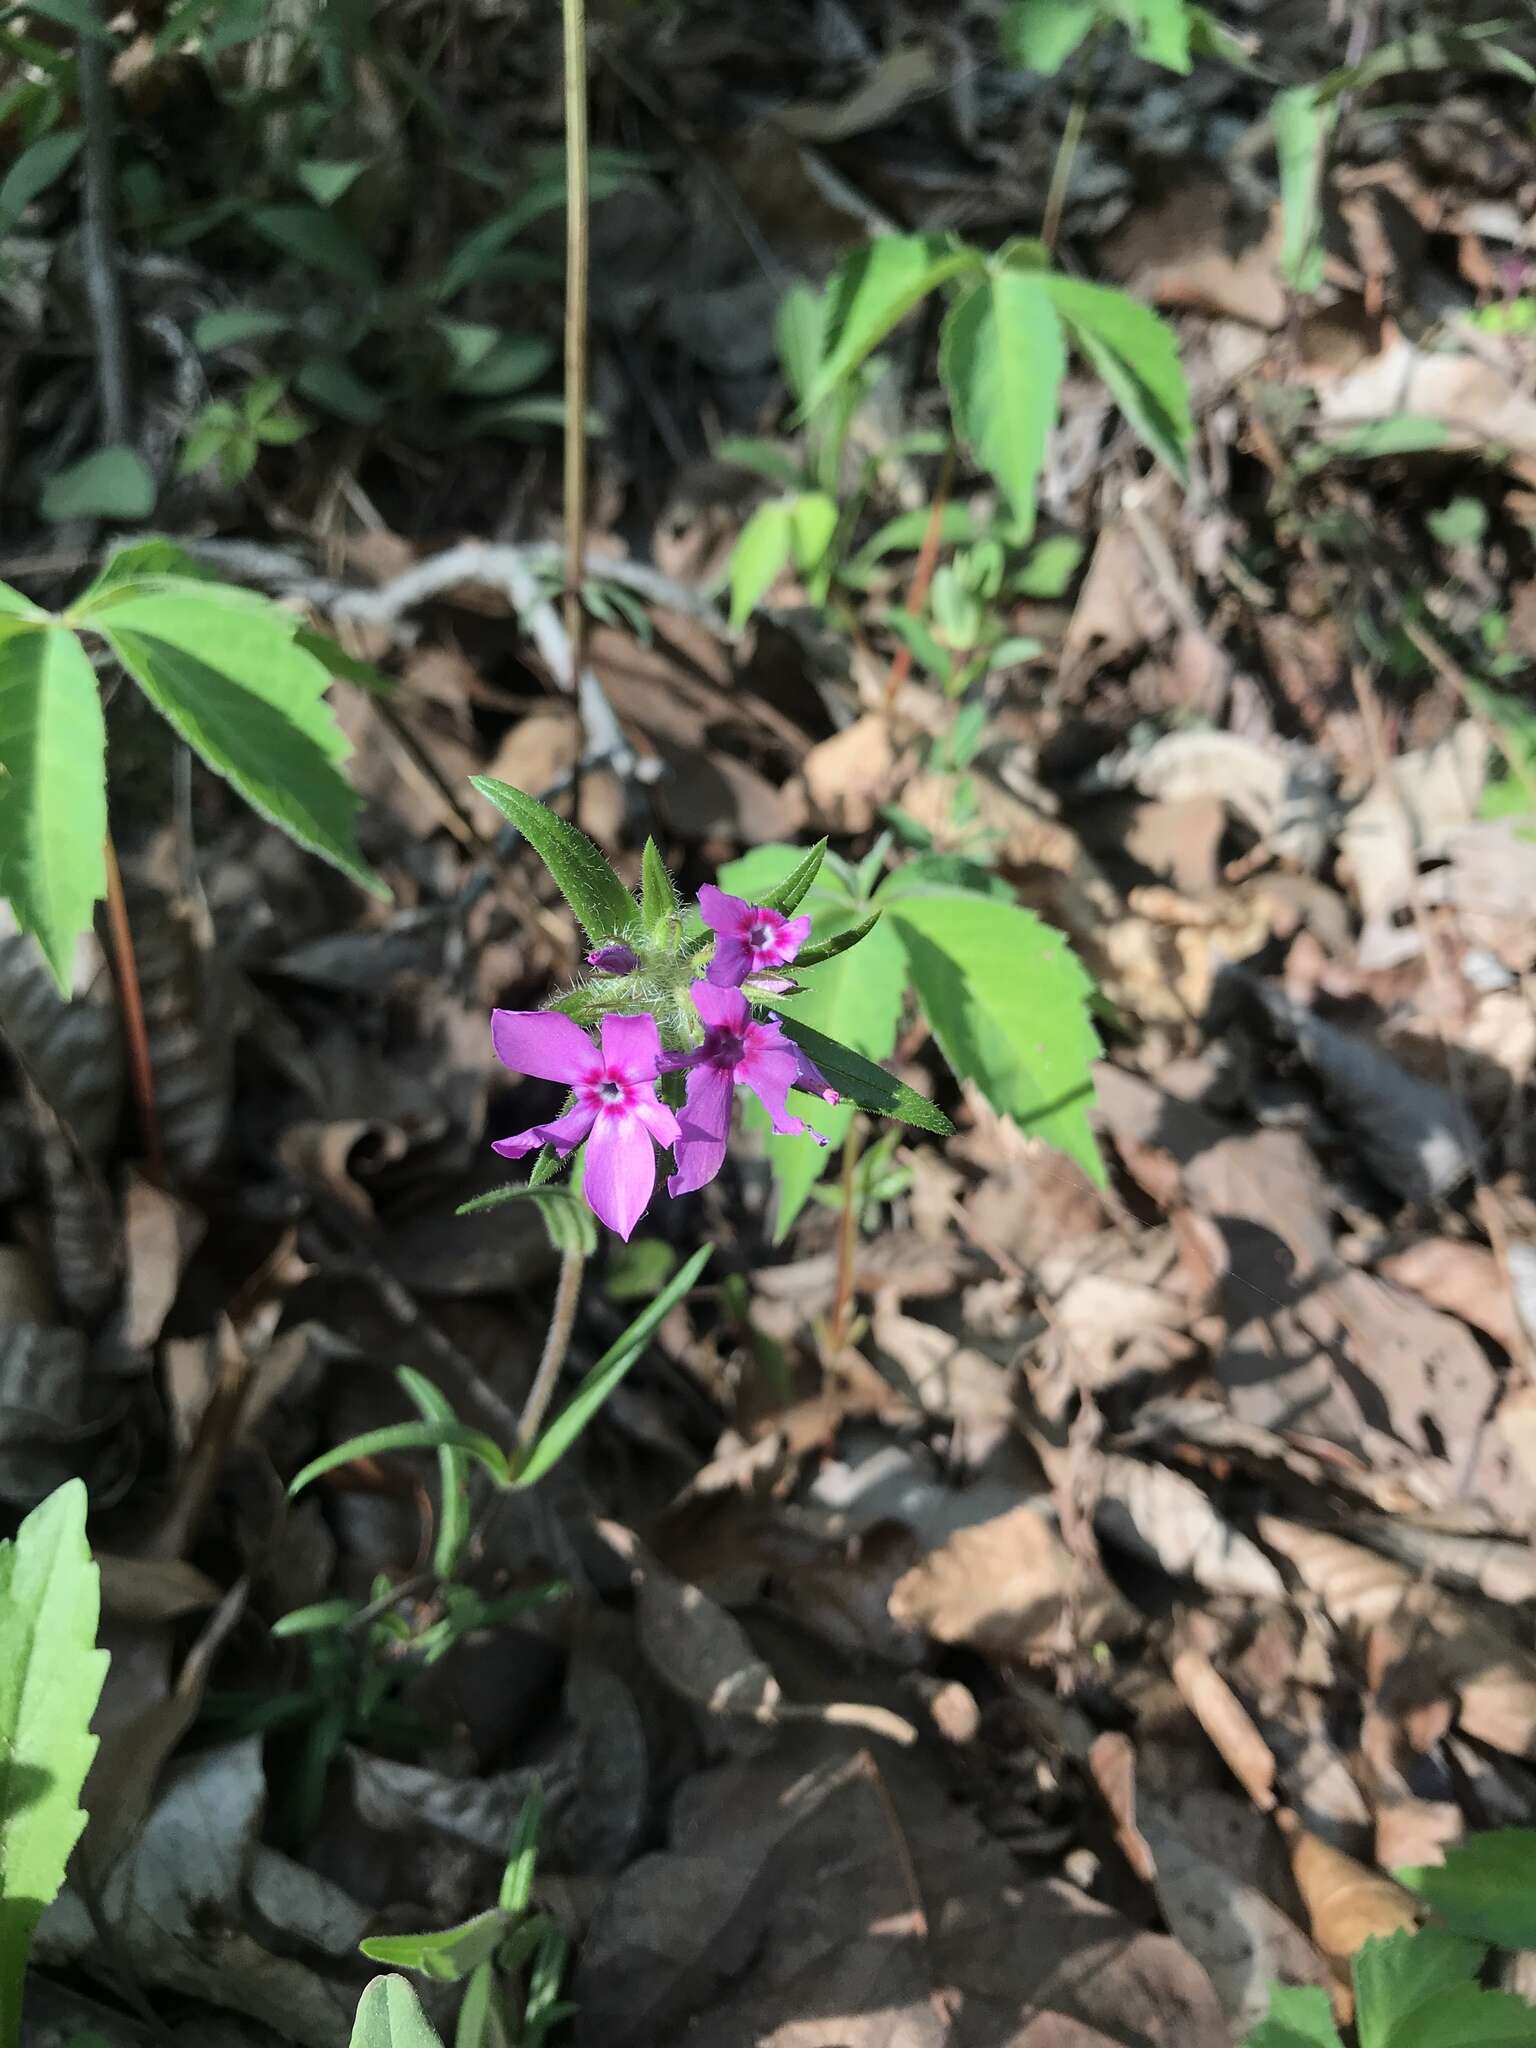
[{"x": 614, "y": 1107}]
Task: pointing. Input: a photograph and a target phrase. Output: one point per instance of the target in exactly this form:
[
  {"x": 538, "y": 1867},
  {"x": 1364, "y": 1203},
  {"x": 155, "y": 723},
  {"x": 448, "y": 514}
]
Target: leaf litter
[{"x": 1183, "y": 1516}]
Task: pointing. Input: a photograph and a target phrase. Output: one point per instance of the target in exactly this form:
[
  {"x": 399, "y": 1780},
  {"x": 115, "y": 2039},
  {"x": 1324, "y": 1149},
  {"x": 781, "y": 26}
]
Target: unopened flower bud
[{"x": 615, "y": 958}]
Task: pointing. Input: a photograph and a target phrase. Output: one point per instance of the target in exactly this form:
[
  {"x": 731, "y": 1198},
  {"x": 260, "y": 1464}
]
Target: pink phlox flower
[
  {"x": 615, "y": 1101},
  {"x": 749, "y": 936},
  {"x": 737, "y": 1052},
  {"x": 810, "y": 1077}
]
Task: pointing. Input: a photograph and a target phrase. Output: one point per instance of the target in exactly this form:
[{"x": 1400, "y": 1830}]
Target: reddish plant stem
[
  {"x": 922, "y": 574},
  {"x": 847, "y": 1242},
  {"x": 125, "y": 968}
]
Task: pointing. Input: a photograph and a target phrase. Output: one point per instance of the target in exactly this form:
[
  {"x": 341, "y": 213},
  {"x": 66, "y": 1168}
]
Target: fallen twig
[{"x": 98, "y": 242}]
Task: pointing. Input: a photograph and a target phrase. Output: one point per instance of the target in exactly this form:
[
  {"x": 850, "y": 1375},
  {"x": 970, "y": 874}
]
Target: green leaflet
[
  {"x": 1486, "y": 1888},
  {"x": 1303, "y": 124},
  {"x": 874, "y": 288},
  {"x": 318, "y": 239},
  {"x": 1299, "y": 2016},
  {"x": 389, "y": 2015},
  {"x": 761, "y": 552},
  {"x": 35, "y": 170},
  {"x": 1002, "y": 360},
  {"x": 829, "y": 949},
  {"x": 448, "y": 1954},
  {"x": 433, "y": 1405},
  {"x": 50, "y": 1680},
  {"x": 864, "y": 1084},
  {"x": 658, "y": 896},
  {"x": 225, "y": 669},
  {"x": 1464, "y": 2016},
  {"x": 1041, "y": 35},
  {"x": 1394, "y": 1975},
  {"x": 53, "y": 792},
  {"x": 1159, "y": 30},
  {"x": 1137, "y": 356},
  {"x": 110, "y": 483},
  {"x": 603, "y": 906},
  {"x": 1008, "y": 1003},
  {"x": 407, "y": 1436}
]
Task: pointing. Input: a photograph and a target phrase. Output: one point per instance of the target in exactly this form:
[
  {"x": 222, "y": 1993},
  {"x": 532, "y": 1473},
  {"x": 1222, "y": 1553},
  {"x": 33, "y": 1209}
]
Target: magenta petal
[
  {"x": 631, "y": 1047},
  {"x": 656, "y": 1117},
  {"x": 731, "y": 964},
  {"x": 770, "y": 1073},
  {"x": 722, "y": 1009},
  {"x": 544, "y": 1044},
  {"x": 620, "y": 1171},
  {"x": 704, "y": 1129},
  {"x": 792, "y": 935},
  {"x": 616, "y": 958},
  {"x": 723, "y": 913},
  {"x": 565, "y": 1133},
  {"x": 810, "y": 1077}
]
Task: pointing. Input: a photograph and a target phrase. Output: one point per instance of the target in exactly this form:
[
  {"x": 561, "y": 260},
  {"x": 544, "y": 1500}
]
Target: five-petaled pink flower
[
  {"x": 737, "y": 1051},
  {"x": 749, "y": 936},
  {"x": 615, "y": 1091}
]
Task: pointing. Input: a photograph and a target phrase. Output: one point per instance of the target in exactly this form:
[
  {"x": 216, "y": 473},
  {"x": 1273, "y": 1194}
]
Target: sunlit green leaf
[
  {"x": 1002, "y": 360},
  {"x": 1394, "y": 1974},
  {"x": 1486, "y": 1887},
  {"x": 1137, "y": 356},
  {"x": 389, "y": 2015},
  {"x": 1299, "y": 2016},
  {"x": 446, "y": 1955},
  {"x": 872, "y": 290},
  {"x": 602, "y": 904},
  {"x": 1303, "y": 125},
  {"x": 761, "y": 554},
  {"x": 1040, "y": 35}
]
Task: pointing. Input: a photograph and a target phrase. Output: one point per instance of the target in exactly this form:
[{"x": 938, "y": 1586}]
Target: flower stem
[
  {"x": 125, "y": 967},
  {"x": 557, "y": 1342},
  {"x": 847, "y": 1240}
]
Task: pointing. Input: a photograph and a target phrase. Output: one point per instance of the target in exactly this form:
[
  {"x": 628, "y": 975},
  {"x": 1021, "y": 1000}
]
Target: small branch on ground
[{"x": 98, "y": 240}]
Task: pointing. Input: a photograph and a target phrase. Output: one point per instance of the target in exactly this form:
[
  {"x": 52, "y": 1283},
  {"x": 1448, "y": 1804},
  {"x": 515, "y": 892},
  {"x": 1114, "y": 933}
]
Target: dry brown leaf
[
  {"x": 849, "y": 776},
  {"x": 1346, "y": 1902},
  {"x": 160, "y": 1235},
  {"x": 1194, "y": 247},
  {"x": 153, "y": 1588},
  {"x": 1226, "y": 1721},
  {"x": 1009, "y": 1587},
  {"x": 1112, "y": 1761},
  {"x": 1160, "y": 1515},
  {"x": 1462, "y": 1278}
]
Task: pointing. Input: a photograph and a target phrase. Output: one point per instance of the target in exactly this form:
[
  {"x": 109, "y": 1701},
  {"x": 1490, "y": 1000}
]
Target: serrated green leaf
[
  {"x": 658, "y": 897},
  {"x": 1394, "y": 1974},
  {"x": 328, "y": 382},
  {"x": 447, "y": 1955},
  {"x": 406, "y": 1436},
  {"x": 1299, "y": 2016},
  {"x": 452, "y": 1533},
  {"x": 225, "y": 669},
  {"x": 558, "y": 1436},
  {"x": 142, "y": 559},
  {"x": 35, "y": 170},
  {"x": 871, "y": 291},
  {"x": 327, "y": 179},
  {"x": 1486, "y": 1887},
  {"x": 1009, "y": 1006},
  {"x": 1041, "y": 35},
  {"x": 318, "y": 239},
  {"x": 1002, "y": 359},
  {"x": 603, "y": 906},
  {"x": 1465, "y": 2016},
  {"x": 1303, "y": 125},
  {"x": 761, "y": 553},
  {"x": 389, "y": 2015},
  {"x": 1137, "y": 356},
  {"x": 111, "y": 483},
  {"x": 51, "y": 1676},
  {"x": 53, "y": 788},
  {"x": 337, "y": 662}
]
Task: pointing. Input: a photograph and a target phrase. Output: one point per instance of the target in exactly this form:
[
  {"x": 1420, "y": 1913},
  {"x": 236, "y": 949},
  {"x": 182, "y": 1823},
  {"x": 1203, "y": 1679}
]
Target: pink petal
[
  {"x": 731, "y": 964},
  {"x": 620, "y": 1171},
  {"x": 544, "y": 1044},
  {"x": 792, "y": 935},
  {"x": 657, "y": 1118},
  {"x": 723, "y": 913},
  {"x": 770, "y": 1074},
  {"x": 722, "y": 1009},
  {"x": 631, "y": 1047},
  {"x": 705, "y": 1128},
  {"x": 565, "y": 1133}
]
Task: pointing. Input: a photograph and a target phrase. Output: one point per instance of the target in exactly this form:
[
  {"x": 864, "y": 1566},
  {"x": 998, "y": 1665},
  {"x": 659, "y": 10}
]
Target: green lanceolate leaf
[
  {"x": 863, "y": 1084},
  {"x": 318, "y": 239},
  {"x": 447, "y": 1955},
  {"x": 1009, "y": 1005},
  {"x": 225, "y": 669},
  {"x": 798, "y": 329},
  {"x": 1396, "y": 1973},
  {"x": 558, "y": 1436},
  {"x": 53, "y": 787},
  {"x": 603, "y": 906},
  {"x": 111, "y": 483},
  {"x": 1299, "y": 2016},
  {"x": 51, "y": 1676},
  {"x": 406, "y": 1436},
  {"x": 433, "y": 1405},
  {"x": 1303, "y": 124},
  {"x": 658, "y": 897},
  {"x": 812, "y": 522},
  {"x": 389, "y": 2015},
  {"x": 874, "y": 288},
  {"x": 829, "y": 949},
  {"x": 759, "y": 557},
  {"x": 1486, "y": 1887},
  {"x": 564, "y": 1214},
  {"x": 35, "y": 170},
  {"x": 1002, "y": 359},
  {"x": 1160, "y": 31},
  {"x": 1137, "y": 356},
  {"x": 1040, "y": 35},
  {"x": 787, "y": 896}
]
